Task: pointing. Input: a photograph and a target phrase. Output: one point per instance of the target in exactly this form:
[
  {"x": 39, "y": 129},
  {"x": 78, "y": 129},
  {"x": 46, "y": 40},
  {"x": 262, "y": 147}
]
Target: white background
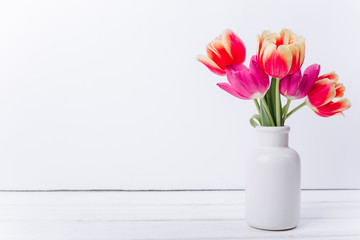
[{"x": 108, "y": 95}]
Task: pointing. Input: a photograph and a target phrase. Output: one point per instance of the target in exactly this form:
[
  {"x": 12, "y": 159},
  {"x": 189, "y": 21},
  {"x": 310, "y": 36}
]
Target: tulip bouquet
[{"x": 279, "y": 56}]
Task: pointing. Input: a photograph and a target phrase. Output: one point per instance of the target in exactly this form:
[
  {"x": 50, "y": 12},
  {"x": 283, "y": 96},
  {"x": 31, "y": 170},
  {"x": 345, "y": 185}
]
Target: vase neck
[{"x": 273, "y": 136}]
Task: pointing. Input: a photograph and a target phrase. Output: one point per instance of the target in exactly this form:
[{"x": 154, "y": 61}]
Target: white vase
[{"x": 273, "y": 181}]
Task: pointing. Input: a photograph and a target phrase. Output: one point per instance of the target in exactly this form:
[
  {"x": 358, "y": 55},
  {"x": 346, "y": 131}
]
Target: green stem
[
  {"x": 267, "y": 111},
  {"x": 277, "y": 102},
  {"x": 285, "y": 110},
  {"x": 257, "y": 105},
  {"x": 295, "y": 109}
]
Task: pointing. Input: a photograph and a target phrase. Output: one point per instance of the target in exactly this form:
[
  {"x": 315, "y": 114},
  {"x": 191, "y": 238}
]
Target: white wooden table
[{"x": 196, "y": 215}]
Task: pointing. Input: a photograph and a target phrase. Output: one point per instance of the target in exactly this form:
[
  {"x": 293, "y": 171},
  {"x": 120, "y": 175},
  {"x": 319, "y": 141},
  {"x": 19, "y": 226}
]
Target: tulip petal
[
  {"x": 301, "y": 44},
  {"x": 214, "y": 55},
  {"x": 284, "y": 84},
  {"x": 258, "y": 77},
  {"x": 340, "y": 89},
  {"x": 331, "y": 76},
  {"x": 322, "y": 92},
  {"x": 236, "y": 74},
  {"x": 294, "y": 81},
  {"x": 295, "y": 58},
  {"x": 298, "y": 51},
  {"x": 235, "y": 46},
  {"x": 212, "y": 66},
  {"x": 333, "y": 108},
  {"x": 310, "y": 76},
  {"x": 259, "y": 47},
  {"x": 287, "y": 36},
  {"x": 277, "y": 62},
  {"x": 217, "y": 52},
  {"x": 226, "y": 87},
  {"x": 240, "y": 79},
  {"x": 266, "y": 38},
  {"x": 261, "y": 40}
]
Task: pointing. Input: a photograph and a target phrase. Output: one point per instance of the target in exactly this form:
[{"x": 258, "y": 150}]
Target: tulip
[
  {"x": 222, "y": 52},
  {"x": 321, "y": 95},
  {"x": 280, "y": 55},
  {"x": 296, "y": 86},
  {"x": 246, "y": 83}
]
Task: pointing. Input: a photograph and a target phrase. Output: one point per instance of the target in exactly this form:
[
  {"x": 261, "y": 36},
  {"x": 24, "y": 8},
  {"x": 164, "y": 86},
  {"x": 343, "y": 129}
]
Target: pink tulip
[
  {"x": 296, "y": 86},
  {"x": 246, "y": 83},
  {"x": 280, "y": 55},
  {"x": 222, "y": 52},
  {"x": 324, "y": 90}
]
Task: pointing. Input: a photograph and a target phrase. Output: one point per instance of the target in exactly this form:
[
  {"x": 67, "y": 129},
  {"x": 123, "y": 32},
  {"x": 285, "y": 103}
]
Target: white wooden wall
[{"x": 107, "y": 94}]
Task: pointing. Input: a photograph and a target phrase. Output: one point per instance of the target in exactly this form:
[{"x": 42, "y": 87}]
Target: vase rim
[{"x": 277, "y": 129}]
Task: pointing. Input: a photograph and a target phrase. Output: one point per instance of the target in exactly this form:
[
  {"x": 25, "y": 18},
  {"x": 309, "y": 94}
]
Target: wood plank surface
[{"x": 196, "y": 215}]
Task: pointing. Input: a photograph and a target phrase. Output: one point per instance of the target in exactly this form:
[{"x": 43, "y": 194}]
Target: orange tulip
[
  {"x": 324, "y": 90},
  {"x": 222, "y": 52},
  {"x": 280, "y": 55}
]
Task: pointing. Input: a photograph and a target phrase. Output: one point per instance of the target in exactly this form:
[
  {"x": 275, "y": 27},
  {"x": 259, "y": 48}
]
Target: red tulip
[
  {"x": 280, "y": 55},
  {"x": 222, "y": 52},
  {"x": 324, "y": 90}
]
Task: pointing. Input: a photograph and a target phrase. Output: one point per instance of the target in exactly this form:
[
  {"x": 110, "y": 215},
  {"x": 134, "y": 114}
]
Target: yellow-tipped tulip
[{"x": 280, "y": 54}]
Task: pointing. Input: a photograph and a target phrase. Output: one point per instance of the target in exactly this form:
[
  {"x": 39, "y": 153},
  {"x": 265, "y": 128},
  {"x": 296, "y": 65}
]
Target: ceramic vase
[{"x": 273, "y": 181}]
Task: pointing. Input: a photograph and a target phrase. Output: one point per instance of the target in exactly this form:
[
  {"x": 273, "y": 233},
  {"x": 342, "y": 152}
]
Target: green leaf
[
  {"x": 253, "y": 122},
  {"x": 264, "y": 118}
]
